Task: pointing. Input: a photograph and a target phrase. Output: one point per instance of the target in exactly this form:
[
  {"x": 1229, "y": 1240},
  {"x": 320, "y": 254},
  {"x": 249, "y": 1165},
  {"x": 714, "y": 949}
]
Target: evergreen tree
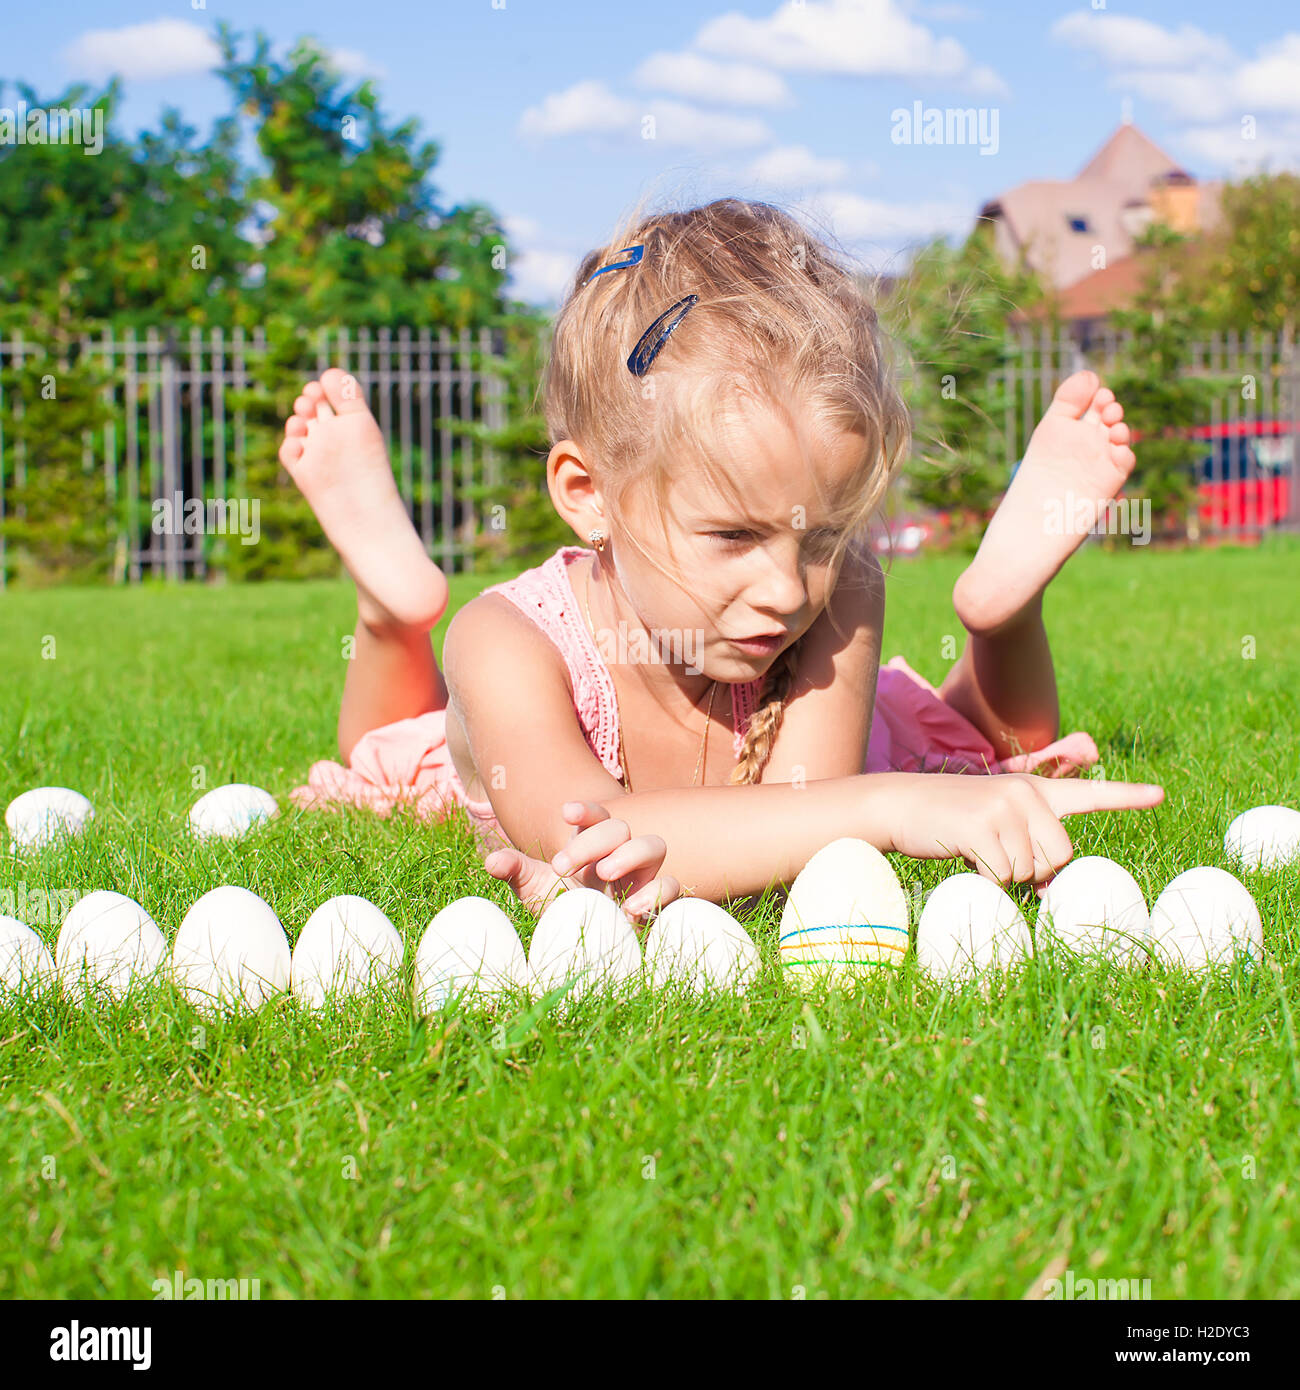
[
  {"x": 949, "y": 314},
  {"x": 1160, "y": 400}
]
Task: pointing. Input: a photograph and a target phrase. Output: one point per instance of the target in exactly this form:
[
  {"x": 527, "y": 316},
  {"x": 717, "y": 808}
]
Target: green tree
[
  {"x": 57, "y": 524},
  {"x": 949, "y": 313},
  {"x": 1248, "y": 271},
  {"x": 140, "y": 232},
  {"x": 1150, "y": 378},
  {"x": 344, "y": 206}
]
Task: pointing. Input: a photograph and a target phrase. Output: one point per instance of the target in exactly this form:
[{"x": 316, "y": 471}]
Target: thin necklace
[{"x": 622, "y": 755}]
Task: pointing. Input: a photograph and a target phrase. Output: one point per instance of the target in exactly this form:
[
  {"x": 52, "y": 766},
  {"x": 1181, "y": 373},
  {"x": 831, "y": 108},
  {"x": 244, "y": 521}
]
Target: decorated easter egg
[{"x": 846, "y": 914}]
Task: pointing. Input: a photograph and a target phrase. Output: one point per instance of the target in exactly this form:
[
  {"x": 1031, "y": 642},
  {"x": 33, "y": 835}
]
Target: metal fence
[
  {"x": 177, "y": 427},
  {"x": 1248, "y": 475}
]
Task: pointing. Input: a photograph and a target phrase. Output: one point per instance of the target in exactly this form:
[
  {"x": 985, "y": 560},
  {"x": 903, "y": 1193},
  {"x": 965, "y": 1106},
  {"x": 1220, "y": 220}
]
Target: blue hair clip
[
  {"x": 633, "y": 253},
  {"x": 653, "y": 339}
]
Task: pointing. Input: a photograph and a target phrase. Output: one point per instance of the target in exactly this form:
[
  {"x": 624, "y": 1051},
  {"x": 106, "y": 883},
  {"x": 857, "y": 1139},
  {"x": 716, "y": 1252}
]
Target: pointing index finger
[{"x": 1070, "y": 797}]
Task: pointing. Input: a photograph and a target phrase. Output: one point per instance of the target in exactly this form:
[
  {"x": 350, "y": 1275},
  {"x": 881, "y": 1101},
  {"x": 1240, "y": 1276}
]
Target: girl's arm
[{"x": 510, "y": 690}]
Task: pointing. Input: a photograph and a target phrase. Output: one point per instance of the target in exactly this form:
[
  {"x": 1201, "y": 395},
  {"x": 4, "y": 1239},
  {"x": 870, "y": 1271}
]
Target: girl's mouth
[{"x": 760, "y": 646}]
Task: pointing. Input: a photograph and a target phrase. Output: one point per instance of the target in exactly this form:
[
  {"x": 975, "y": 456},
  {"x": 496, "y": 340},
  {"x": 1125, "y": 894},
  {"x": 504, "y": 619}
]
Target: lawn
[{"x": 902, "y": 1142}]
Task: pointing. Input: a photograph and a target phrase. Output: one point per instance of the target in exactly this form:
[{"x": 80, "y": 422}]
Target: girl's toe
[{"x": 295, "y": 427}]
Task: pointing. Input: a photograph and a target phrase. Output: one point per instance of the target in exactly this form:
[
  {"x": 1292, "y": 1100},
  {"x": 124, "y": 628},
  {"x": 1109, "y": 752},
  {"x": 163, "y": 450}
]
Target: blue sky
[{"x": 543, "y": 107}]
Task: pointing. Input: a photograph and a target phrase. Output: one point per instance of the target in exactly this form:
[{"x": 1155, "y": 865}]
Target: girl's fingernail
[{"x": 562, "y": 863}]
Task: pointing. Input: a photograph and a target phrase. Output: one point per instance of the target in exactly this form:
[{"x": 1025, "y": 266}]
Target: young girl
[{"x": 689, "y": 701}]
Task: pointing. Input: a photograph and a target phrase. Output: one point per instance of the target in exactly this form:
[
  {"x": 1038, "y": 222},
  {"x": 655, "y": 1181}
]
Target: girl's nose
[{"x": 778, "y": 586}]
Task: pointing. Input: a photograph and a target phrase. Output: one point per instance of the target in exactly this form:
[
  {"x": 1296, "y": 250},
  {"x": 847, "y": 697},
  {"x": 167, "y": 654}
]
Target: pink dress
[{"x": 912, "y": 729}]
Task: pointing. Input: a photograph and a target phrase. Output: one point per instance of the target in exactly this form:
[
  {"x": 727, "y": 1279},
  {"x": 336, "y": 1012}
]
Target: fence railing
[
  {"x": 1248, "y": 477},
  {"x": 177, "y": 426}
]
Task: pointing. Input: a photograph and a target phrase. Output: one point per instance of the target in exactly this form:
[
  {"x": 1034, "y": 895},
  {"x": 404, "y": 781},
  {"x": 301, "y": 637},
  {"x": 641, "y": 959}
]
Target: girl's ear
[{"x": 573, "y": 490}]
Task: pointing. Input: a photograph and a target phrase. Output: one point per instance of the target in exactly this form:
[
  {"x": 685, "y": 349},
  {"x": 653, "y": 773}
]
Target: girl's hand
[
  {"x": 1007, "y": 826},
  {"x": 601, "y": 854}
]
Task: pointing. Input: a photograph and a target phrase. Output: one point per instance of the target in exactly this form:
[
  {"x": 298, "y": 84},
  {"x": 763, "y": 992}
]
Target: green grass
[{"x": 905, "y": 1141}]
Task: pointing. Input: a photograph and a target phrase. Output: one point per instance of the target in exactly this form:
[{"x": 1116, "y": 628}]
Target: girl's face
[{"x": 755, "y": 568}]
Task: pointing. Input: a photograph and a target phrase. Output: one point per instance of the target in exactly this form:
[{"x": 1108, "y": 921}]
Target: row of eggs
[
  {"x": 1265, "y": 837},
  {"x": 847, "y": 909},
  {"x": 846, "y": 912},
  {"x": 230, "y": 949},
  {"x": 44, "y": 814}
]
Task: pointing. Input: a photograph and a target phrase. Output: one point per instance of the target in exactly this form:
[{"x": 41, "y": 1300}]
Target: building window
[{"x": 1078, "y": 223}]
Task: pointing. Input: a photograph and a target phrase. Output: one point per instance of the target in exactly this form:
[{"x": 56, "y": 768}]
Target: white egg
[
  {"x": 230, "y": 811},
  {"x": 585, "y": 937},
  {"x": 470, "y": 946},
  {"x": 45, "y": 814},
  {"x": 846, "y": 915},
  {"x": 1265, "y": 837},
  {"x": 25, "y": 960},
  {"x": 346, "y": 947},
  {"x": 230, "y": 949},
  {"x": 109, "y": 941},
  {"x": 1094, "y": 905},
  {"x": 700, "y": 945},
  {"x": 968, "y": 925},
  {"x": 1206, "y": 917}
]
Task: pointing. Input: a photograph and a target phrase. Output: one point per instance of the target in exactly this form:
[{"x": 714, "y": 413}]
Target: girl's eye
[{"x": 732, "y": 537}]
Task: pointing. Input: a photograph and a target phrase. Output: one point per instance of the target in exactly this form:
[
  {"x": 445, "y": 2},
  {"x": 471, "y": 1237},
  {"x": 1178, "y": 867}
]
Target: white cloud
[
  {"x": 793, "y": 166},
  {"x": 350, "y": 62},
  {"x": 590, "y": 108},
  {"x": 1125, "y": 42},
  {"x": 859, "y": 38},
  {"x": 1225, "y": 146},
  {"x": 1198, "y": 80},
  {"x": 705, "y": 79},
  {"x": 876, "y": 223},
  {"x": 541, "y": 277},
  {"x": 539, "y": 272},
  {"x": 584, "y": 107},
  {"x": 1272, "y": 81},
  {"x": 161, "y": 48},
  {"x": 1184, "y": 96}
]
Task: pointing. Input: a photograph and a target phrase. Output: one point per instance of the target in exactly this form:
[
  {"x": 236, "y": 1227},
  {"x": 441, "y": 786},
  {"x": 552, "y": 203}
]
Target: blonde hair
[{"x": 781, "y": 323}]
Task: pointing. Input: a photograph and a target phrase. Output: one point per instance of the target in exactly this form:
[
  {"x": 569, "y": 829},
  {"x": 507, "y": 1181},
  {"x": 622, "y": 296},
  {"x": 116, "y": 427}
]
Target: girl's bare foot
[
  {"x": 1078, "y": 459},
  {"x": 334, "y": 451}
]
